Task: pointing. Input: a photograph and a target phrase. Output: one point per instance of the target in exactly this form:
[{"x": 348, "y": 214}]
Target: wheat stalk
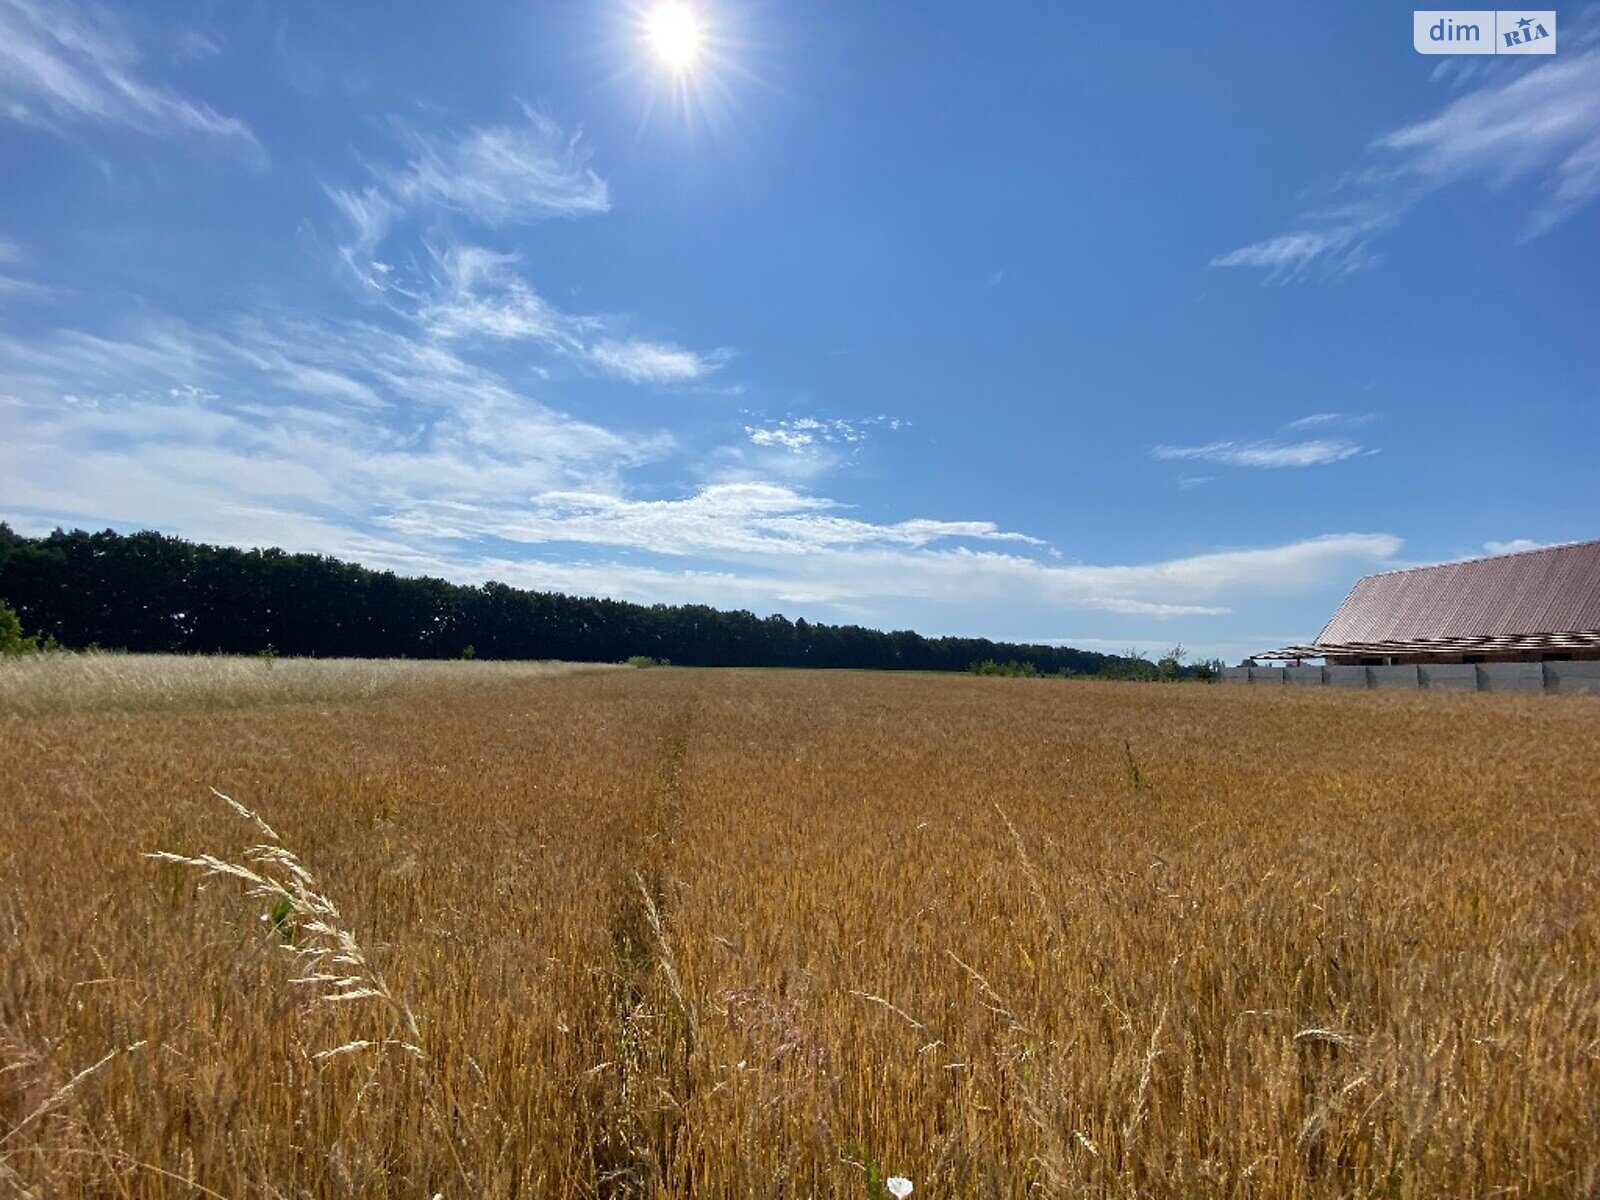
[{"x": 328, "y": 957}]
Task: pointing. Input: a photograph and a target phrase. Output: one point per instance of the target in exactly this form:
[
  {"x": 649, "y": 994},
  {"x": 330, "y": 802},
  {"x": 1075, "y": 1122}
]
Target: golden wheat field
[{"x": 735, "y": 933}]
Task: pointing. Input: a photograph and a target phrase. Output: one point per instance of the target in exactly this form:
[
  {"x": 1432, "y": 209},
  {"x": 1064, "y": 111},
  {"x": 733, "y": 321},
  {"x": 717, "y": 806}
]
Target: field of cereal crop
[{"x": 722, "y": 933}]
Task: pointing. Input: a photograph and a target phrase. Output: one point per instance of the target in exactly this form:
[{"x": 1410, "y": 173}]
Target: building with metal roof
[{"x": 1532, "y": 606}]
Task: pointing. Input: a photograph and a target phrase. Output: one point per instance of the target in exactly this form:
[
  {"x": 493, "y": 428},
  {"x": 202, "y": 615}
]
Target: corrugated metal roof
[
  {"x": 1522, "y": 643},
  {"x": 1554, "y": 590}
]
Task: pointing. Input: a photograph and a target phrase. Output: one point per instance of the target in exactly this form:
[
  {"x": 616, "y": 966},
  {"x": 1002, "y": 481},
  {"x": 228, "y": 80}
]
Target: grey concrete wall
[
  {"x": 1395, "y": 677},
  {"x": 1511, "y": 677},
  {"x": 1459, "y": 677},
  {"x": 1569, "y": 678},
  {"x": 1350, "y": 677}
]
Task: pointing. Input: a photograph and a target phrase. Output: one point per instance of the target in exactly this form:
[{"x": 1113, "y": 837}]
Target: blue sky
[{"x": 1111, "y": 327}]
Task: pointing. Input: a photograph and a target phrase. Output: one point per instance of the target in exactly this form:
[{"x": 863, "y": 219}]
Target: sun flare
[{"x": 673, "y": 31}]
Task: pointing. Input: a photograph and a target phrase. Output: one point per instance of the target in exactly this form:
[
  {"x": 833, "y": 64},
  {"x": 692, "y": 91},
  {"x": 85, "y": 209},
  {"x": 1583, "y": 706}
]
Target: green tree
[
  {"x": 150, "y": 593},
  {"x": 1169, "y": 668},
  {"x": 12, "y": 639}
]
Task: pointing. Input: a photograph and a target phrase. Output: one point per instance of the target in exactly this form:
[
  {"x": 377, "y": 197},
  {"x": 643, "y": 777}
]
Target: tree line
[{"x": 151, "y": 593}]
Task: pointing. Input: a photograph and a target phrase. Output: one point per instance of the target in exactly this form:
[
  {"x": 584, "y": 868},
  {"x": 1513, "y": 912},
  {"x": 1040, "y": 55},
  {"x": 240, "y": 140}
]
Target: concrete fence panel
[
  {"x": 1511, "y": 677},
  {"x": 1573, "y": 677},
  {"x": 1570, "y": 678},
  {"x": 1395, "y": 677},
  {"x": 1462, "y": 677}
]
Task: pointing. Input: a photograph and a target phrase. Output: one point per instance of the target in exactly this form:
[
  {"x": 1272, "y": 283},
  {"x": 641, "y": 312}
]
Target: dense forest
[{"x": 152, "y": 593}]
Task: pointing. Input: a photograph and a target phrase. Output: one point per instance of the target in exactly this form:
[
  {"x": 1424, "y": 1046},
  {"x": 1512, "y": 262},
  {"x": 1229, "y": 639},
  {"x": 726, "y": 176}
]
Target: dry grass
[
  {"x": 742, "y": 934},
  {"x": 45, "y": 683}
]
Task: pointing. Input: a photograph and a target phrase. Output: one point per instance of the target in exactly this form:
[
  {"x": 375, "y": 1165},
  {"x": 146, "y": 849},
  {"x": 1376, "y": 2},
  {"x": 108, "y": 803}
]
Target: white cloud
[
  {"x": 13, "y": 289},
  {"x": 1270, "y": 454},
  {"x": 880, "y": 587},
  {"x": 474, "y": 293},
  {"x": 331, "y": 425},
  {"x": 503, "y": 174},
  {"x": 370, "y": 213},
  {"x": 1540, "y": 126},
  {"x": 719, "y": 519},
  {"x": 782, "y": 434},
  {"x": 796, "y": 448},
  {"x": 346, "y": 439},
  {"x": 810, "y": 435},
  {"x": 1543, "y": 125},
  {"x": 62, "y": 63},
  {"x": 803, "y": 433},
  {"x": 652, "y": 362},
  {"x": 25, "y": 290},
  {"x": 491, "y": 175},
  {"x": 1275, "y": 452},
  {"x": 785, "y": 546},
  {"x": 1514, "y": 546},
  {"x": 938, "y": 588},
  {"x": 1292, "y": 252},
  {"x": 1322, "y": 420}
]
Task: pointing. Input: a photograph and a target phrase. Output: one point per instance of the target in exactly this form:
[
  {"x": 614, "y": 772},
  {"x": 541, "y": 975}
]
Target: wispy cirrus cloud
[
  {"x": 490, "y": 175},
  {"x": 1539, "y": 126},
  {"x": 717, "y": 520},
  {"x": 1311, "y": 452},
  {"x": 1339, "y": 251},
  {"x": 344, "y": 438},
  {"x": 1276, "y": 452},
  {"x": 493, "y": 176},
  {"x": 501, "y": 174},
  {"x": 60, "y": 63},
  {"x": 1324, "y": 420},
  {"x": 643, "y": 361},
  {"x": 13, "y": 288},
  {"x": 334, "y": 421},
  {"x": 476, "y": 292}
]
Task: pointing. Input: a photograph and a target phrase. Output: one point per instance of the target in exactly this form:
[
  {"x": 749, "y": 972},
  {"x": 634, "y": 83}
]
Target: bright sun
[{"x": 674, "y": 34}]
